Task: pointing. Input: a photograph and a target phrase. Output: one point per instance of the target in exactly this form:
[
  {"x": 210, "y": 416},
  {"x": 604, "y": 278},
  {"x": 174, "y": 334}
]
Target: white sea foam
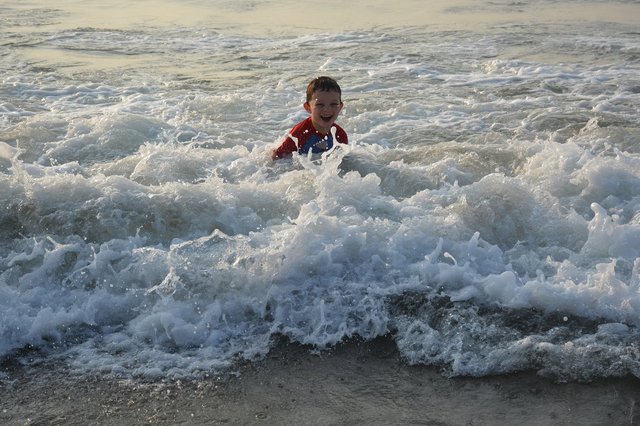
[{"x": 485, "y": 213}]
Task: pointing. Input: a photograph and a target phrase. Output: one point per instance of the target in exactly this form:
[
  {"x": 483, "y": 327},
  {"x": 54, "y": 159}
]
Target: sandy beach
[{"x": 352, "y": 384}]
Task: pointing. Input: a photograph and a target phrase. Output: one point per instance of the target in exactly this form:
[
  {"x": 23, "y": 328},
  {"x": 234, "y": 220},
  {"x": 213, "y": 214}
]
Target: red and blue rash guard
[{"x": 309, "y": 139}]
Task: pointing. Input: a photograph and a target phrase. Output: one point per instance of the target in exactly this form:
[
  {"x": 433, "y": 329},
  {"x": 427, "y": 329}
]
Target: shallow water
[{"x": 485, "y": 213}]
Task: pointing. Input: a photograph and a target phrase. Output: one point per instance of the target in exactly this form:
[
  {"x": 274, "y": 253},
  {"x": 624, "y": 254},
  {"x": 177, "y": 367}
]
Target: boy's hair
[{"x": 322, "y": 84}]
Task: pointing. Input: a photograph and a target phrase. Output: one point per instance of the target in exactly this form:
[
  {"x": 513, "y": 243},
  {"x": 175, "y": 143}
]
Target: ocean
[{"x": 485, "y": 214}]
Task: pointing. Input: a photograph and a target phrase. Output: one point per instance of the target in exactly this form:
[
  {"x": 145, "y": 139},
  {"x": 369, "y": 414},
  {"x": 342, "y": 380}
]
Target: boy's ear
[{"x": 307, "y": 107}]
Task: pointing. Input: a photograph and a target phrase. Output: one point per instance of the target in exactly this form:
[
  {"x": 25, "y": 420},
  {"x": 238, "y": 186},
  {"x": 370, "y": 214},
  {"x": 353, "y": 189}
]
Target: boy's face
[{"x": 324, "y": 108}]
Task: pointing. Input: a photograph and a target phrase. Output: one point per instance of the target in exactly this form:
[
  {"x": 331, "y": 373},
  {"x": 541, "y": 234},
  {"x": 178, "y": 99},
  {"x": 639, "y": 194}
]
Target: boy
[{"x": 316, "y": 133}]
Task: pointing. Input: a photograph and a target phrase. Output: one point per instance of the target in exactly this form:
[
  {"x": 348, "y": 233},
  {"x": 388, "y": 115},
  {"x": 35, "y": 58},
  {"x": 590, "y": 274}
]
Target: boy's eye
[{"x": 331, "y": 105}]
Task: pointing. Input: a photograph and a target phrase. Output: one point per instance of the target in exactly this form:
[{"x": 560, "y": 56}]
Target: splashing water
[{"x": 485, "y": 214}]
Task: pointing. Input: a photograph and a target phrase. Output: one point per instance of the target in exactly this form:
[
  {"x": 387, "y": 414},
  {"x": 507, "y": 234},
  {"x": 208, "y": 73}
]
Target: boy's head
[
  {"x": 324, "y": 103},
  {"x": 322, "y": 84}
]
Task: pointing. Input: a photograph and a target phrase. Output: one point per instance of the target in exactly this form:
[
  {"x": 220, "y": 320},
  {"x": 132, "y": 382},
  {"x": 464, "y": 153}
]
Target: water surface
[{"x": 485, "y": 214}]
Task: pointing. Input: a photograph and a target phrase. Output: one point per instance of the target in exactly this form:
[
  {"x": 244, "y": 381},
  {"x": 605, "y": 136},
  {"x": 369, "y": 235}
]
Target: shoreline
[{"x": 353, "y": 383}]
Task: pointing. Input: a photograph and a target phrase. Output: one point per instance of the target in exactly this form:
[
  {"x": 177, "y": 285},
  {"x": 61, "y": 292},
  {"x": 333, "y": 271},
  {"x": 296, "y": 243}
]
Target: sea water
[{"x": 485, "y": 214}]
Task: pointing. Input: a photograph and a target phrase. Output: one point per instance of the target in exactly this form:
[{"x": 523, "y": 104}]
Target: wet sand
[
  {"x": 353, "y": 384},
  {"x": 292, "y": 17}
]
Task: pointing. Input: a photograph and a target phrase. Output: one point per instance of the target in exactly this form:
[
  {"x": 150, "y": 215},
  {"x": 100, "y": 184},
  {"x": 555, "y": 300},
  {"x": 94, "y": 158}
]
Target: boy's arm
[
  {"x": 287, "y": 147},
  {"x": 341, "y": 135},
  {"x": 290, "y": 144}
]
